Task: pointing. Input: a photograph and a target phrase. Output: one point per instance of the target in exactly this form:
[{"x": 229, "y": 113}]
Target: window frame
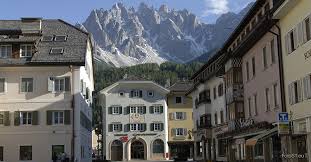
[
  {"x": 1, "y": 118},
  {"x": 4, "y": 85},
  {"x": 20, "y": 153},
  {"x": 180, "y": 100},
  {"x": 56, "y": 48},
  {"x": 157, "y": 125},
  {"x": 117, "y": 108},
  {"x": 66, "y": 37},
  {"x": 116, "y": 127},
  {"x": 267, "y": 99},
  {"x": 179, "y": 114},
  {"x": 157, "y": 109},
  {"x": 137, "y": 126},
  {"x": 26, "y": 87},
  {"x": 8, "y": 52},
  {"x": 26, "y": 50},
  {"x": 59, "y": 117},
  {"x": 179, "y": 132},
  {"x": 264, "y": 57},
  {"x": 29, "y": 117},
  {"x": 152, "y": 93},
  {"x": 307, "y": 35}
]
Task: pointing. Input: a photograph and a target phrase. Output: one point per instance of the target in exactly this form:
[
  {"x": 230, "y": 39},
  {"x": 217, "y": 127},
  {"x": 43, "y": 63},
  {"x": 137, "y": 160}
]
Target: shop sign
[
  {"x": 283, "y": 128},
  {"x": 124, "y": 139}
]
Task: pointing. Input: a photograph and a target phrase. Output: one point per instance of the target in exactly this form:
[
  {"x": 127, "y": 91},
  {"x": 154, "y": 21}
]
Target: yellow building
[
  {"x": 180, "y": 123},
  {"x": 295, "y": 24}
]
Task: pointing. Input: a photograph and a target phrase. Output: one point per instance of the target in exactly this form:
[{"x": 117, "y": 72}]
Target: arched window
[{"x": 158, "y": 146}]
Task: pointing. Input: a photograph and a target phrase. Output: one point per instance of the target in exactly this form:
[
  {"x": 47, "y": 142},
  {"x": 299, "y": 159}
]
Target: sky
[{"x": 76, "y": 11}]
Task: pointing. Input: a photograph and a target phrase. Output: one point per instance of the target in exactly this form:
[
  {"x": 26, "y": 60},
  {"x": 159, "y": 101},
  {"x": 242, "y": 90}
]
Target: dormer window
[
  {"x": 5, "y": 51},
  {"x": 60, "y": 38},
  {"x": 57, "y": 50},
  {"x": 150, "y": 93},
  {"x": 26, "y": 50},
  {"x": 47, "y": 38}
]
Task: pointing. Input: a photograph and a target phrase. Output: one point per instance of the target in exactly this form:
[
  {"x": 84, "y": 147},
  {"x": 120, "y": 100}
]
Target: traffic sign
[{"x": 283, "y": 117}]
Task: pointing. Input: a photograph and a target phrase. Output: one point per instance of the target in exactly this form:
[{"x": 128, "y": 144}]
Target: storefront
[{"x": 181, "y": 149}]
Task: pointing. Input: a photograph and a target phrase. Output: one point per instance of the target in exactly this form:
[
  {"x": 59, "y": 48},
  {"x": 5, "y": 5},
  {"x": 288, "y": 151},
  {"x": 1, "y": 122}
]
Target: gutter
[
  {"x": 73, "y": 118},
  {"x": 281, "y": 69}
]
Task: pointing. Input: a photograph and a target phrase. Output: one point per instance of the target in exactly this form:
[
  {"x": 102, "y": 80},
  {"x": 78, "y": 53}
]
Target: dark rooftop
[{"x": 180, "y": 87}]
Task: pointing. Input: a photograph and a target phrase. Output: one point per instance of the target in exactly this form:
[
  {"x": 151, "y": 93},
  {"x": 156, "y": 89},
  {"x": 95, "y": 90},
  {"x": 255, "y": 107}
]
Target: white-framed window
[
  {"x": 2, "y": 85},
  {"x": 133, "y": 110},
  {"x": 180, "y": 131},
  {"x": 60, "y": 38},
  {"x": 47, "y": 38},
  {"x": 178, "y": 99},
  {"x": 1, "y": 118},
  {"x": 26, "y": 50},
  {"x": 116, "y": 127},
  {"x": 57, "y": 50},
  {"x": 60, "y": 84},
  {"x": 136, "y": 93},
  {"x": 157, "y": 109},
  {"x": 58, "y": 117},
  {"x": 307, "y": 87},
  {"x": 291, "y": 41},
  {"x": 307, "y": 27},
  {"x": 157, "y": 126},
  {"x": 5, "y": 51},
  {"x": 137, "y": 109},
  {"x": 137, "y": 127},
  {"x": 25, "y": 118},
  {"x": 26, "y": 84},
  {"x": 179, "y": 115},
  {"x": 150, "y": 93},
  {"x": 295, "y": 92},
  {"x": 116, "y": 109}
]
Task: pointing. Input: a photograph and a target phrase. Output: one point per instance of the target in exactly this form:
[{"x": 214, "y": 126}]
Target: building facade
[
  {"x": 295, "y": 23},
  {"x": 180, "y": 121},
  {"x": 135, "y": 120},
  {"x": 46, "y": 84},
  {"x": 209, "y": 110}
]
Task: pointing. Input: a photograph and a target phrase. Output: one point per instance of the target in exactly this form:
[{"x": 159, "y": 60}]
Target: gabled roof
[
  {"x": 74, "y": 47},
  {"x": 180, "y": 87}
]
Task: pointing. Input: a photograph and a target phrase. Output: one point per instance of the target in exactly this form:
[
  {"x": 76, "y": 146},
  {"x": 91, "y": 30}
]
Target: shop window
[
  {"x": 259, "y": 149},
  {"x": 158, "y": 146}
]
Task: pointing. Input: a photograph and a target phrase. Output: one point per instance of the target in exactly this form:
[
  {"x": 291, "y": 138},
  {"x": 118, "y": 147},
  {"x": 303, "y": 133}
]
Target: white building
[
  {"x": 135, "y": 120},
  {"x": 46, "y": 84}
]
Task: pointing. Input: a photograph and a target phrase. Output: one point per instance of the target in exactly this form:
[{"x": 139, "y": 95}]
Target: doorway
[
  {"x": 116, "y": 151},
  {"x": 137, "y": 150}
]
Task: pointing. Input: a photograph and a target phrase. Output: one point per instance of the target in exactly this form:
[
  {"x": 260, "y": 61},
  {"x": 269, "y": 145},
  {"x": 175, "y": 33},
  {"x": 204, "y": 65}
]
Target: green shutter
[
  {"x": 173, "y": 132},
  {"x": 35, "y": 119},
  {"x": 140, "y": 93},
  {"x": 6, "y": 118},
  {"x": 161, "y": 109},
  {"x": 151, "y": 109},
  {"x": 152, "y": 127},
  {"x": 120, "y": 110},
  {"x": 126, "y": 127},
  {"x": 144, "y": 127},
  {"x": 109, "y": 110},
  {"x": 131, "y": 93},
  {"x": 127, "y": 110},
  {"x": 67, "y": 84},
  {"x": 110, "y": 127},
  {"x": 162, "y": 126},
  {"x": 16, "y": 118},
  {"x": 67, "y": 117},
  {"x": 144, "y": 107},
  {"x": 120, "y": 126},
  {"x": 48, "y": 117}
]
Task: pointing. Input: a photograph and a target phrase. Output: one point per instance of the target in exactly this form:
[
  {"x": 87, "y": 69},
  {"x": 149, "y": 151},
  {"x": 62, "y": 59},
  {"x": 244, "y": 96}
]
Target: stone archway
[
  {"x": 137, "y": 149},
  {"x": 116, "y": 150}
]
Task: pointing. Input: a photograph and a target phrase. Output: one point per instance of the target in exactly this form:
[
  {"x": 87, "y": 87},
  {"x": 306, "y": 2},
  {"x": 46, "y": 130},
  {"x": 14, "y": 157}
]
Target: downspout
[
  {"x": 281, "y": 73},
  {"x": 73, "y": 116}
]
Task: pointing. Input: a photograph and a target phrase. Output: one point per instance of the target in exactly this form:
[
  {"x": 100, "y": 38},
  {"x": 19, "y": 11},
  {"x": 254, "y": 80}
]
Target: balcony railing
[{"x": 234, "y": 93}]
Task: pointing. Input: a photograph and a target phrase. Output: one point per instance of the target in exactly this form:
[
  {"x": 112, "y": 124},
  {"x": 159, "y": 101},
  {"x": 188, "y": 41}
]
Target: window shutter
[
  {"x": 152, "y": 127},
  {"x": 127, "y": 110},
  {"x": 290, "y": 94},
  {"x": 51, "y": 84},
  {"x": 131, "y": 93},
  {"x": 287, "y": 44},
  {"x": 173, "y": 132},
  {"x": 144, "y": 127},
  {"x": 110, "y": 127},
  {"x": 67, "y": 84},
  {"x": 304, "y": 31},
  {"x": 300, "y": 34},
  {"x": 161, "y": 109},
  {"x": 35, "y": 118},
  {"x": 16, "y": 118},
  {"x": 49, "y": 117},
  {"x": 300, "y": 91},
  {"x": 296, "y": 40},
  {"x": 305, "y": 87},
  {"x": 120, "y": 110},
  {"x": 183, "y": 99},
  {"x": 120, "y": 127},
  {"x": 6, "y": 118},
  {"x": 174, "y": 116},
  {"x": 151, "y": 109},
  {"x": 185, "y": 131},
  {"x": 171, "y": 116},
  {"x": 162, "y": 126},
  {"x": 67, "y": 120},
  {"x": 140, "y": 93},
  {"x": 109, "y": 110},
  {"x": 184, "y": 115},
  {"x": 144, "y": 108}
]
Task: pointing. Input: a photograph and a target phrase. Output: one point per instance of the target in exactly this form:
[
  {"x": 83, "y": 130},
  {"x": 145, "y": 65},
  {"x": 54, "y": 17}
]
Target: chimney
[{"x": 31, "y": 25}]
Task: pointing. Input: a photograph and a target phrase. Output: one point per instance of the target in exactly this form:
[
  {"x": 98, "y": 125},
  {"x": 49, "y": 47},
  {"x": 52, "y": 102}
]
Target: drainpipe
[
  {"x": 281, "y": 73},
  {"x": 73, "y": 116}
]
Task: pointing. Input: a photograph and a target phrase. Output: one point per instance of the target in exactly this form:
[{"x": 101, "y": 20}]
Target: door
[
  {"x": 137, "y": 150},
  {"x": 116, "y": 151},
  {"x": 302, "y": 149}
]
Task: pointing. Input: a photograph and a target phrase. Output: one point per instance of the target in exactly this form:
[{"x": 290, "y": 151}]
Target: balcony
[
  {"x": 234, "y": 93},
  {"x": 204, "y": 125}
]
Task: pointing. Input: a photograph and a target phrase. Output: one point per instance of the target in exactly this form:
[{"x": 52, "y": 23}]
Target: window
[
  {"x": 58, "y": 117},
  {"x": 27, "y": 85},
  {"x": 295, "y": 92},
  {"x": 26, "y": 118},
  {"x": 267, "y": 92},
  {"x": 136, "y": 93},
  {"x": 137, "y": 127},
  {"x": 116, "y": 127},
  {"x": 272, "y": 46},
  {"x": 157, "y": 109},
  {"x": 140, "y": 110},
  {"x": 1, "y": 118},
  {"x": 264, "y": 57},
  {"x": 25, "y": 153},
  {"x": 259, "y": 149},
  {"x": 63, "y": 84},
  {"x": 121, "y": 94},
  {"x": 1, "y": 153},
  {"x": 26, "y": 50},
  {"x": 249, "y": 107},
  {"x": 214, "y": 90},
  {"x": 158, "y": 146},
  {"x": 2, "y": 85},
  {"x": 247, "y": 71},
  {"x": 47, "y": 38},
  {"x": 133, "y": 110},
  {"x": 116, "y": 110},
  {"x": 216, "y": 119},
  {"x": 60, "y": 38},
  {"x": 178, "y": 99},
  {"x": 253, "y": 66},
  {"x": 5, "y": 51},
  {"x": 57, "y": 50},
  {"x": 307, "y": 87},
  {"x": 255, "y": 104},
  {"x": 275, "y": 95},
  {"x": 179, "y": 116},
  {"x": 57, "y": 150},
  {"x": 222, "y": 147},
  {"x": 150, "y": 93},
  {"x": 180, "y": 131},
  {"x": 290, "y": 42},
  {"x": 157, "y": 127},
  {"x": 307, "y": 29},
  {"x": 220, "y": 89},
  {"x": 222, "y": 117}
]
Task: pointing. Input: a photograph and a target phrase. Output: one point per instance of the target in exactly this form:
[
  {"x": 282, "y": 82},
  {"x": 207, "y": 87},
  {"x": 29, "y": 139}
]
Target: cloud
[{"x": 216, "y": 7}]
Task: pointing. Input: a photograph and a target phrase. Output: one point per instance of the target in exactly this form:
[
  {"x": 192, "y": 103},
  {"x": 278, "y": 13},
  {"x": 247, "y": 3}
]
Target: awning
[
  {"x": 253, "y": 141},
  {"x": 249, "y": 134}
]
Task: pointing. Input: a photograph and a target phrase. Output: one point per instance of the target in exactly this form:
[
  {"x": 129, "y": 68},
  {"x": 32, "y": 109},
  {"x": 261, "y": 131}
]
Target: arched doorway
[
  {"x": 137, "y": 150},
  {"x": 116, "y": 150}
]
